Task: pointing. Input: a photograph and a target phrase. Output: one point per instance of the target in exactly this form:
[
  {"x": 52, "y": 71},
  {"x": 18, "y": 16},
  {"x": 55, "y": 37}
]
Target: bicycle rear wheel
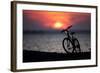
[
  {"x": 67, "y": 45},
  {"x": 77, "y": 46}
]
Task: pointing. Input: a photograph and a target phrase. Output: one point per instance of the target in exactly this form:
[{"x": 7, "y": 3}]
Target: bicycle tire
[
  {"x": 65, "y": 46},
  {"x": 77, "y": 46}
]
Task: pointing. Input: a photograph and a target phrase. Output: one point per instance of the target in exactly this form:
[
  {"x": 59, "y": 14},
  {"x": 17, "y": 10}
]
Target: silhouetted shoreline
[{"x": 37, "y": 56}]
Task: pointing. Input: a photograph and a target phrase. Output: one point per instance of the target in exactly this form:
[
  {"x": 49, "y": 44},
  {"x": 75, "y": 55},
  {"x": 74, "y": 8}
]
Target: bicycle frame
[{"x": 68, "y": 35}]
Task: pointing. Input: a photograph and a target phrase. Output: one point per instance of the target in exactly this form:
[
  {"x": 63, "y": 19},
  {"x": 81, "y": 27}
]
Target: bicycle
[{"x": 70, "y": 43}]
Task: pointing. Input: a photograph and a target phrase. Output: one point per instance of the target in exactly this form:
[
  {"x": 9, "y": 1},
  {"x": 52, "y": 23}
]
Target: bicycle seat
[{"x": 72, "y": 33}]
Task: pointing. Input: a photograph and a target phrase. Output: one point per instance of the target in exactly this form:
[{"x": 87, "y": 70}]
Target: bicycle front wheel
[{"x": 67, "y": 45}]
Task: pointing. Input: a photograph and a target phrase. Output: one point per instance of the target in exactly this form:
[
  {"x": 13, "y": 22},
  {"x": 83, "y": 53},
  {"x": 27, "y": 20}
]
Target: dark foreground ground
[{"x": 36, "y": 56}]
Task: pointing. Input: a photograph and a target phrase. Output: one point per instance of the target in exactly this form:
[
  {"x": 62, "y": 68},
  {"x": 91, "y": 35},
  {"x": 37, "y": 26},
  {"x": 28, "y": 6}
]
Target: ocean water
[{"x": 53, "y": 42}]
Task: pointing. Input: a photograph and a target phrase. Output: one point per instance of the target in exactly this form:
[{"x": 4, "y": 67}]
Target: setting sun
[{"x": 58, "y": 25}]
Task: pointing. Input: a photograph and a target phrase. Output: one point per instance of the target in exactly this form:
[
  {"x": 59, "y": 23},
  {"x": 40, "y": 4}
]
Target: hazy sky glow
[{"x": 47, "y": 20}]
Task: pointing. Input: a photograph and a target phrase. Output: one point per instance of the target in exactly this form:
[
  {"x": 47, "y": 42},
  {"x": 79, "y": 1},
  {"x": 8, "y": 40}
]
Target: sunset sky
[{"x": 48, "y": 20}]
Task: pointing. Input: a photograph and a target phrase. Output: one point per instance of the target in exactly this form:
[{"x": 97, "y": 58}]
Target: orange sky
[{"x": 56, "y": 20}]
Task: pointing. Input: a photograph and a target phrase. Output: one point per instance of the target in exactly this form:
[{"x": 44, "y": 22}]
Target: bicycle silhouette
[{"x": 70, "y": 43}]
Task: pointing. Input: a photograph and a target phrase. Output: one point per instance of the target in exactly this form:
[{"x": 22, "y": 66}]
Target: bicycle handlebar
[
  {"x": 66, "y": 29},
  {"x": 69, "y": 27}
]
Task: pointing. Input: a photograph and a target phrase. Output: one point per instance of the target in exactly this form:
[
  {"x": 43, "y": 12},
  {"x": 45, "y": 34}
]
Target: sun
[{"x": 58, "y": 25}]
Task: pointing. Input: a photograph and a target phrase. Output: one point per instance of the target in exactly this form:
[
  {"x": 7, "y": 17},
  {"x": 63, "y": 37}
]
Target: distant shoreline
[{"x": 52, "y": 32}]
